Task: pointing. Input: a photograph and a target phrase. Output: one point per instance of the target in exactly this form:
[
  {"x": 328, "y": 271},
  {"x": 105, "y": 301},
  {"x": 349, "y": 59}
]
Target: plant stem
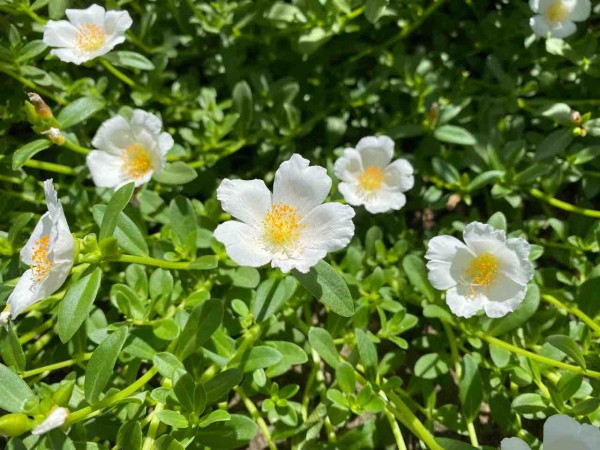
[
  {"x": 153, "y": 427},
  {"x": 117, "y": 73},
  {"x": 573, "y": 310},
  {"x": 83, "y": 413},
  {"x": 535, "y": 356},
  {"x": 255, "y": 413},
  {"x": 56, "y": 366},
  {"x": 76, "y": 148},
  {"x": 472, "y": 433},
  {"x": 36, "y": 331},
  {"x": 33, "y": 15},
  {"x": 395, "y": 430},
  {"x": 148, "y": 261},
  {"x": 50, "y": 167},
  {"x": 563, "y": 205},
  {"x": 31, "y": 85}
]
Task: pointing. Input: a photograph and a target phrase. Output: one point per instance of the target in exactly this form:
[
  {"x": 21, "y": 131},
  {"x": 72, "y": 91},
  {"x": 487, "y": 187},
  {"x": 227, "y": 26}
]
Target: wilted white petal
[{"x": 55, "y": 419}]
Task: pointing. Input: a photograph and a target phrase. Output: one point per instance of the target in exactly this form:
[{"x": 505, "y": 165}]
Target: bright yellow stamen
[
  {"x": 557, "y": 12},
  {"x": 482, "y": 270},
  {"x": 372, "y": 178},
  {"x": 282, "y": 225},
  {"x": 41, "y": 265},
  {"x": 89, "y": 38},
  {"x": 136, "y": 161}
]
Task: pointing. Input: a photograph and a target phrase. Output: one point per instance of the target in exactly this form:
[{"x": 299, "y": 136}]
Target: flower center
[
  {"x": 282, "y": 225},
  {"x": 557, "y": 12},
  {"x": 483, "y": 270},
  {"x": 372, "y": 178},
  {"x": 89, "y": 38},
  {"x": 41, "y": 265},
  {"x": 136, "y": 161}
]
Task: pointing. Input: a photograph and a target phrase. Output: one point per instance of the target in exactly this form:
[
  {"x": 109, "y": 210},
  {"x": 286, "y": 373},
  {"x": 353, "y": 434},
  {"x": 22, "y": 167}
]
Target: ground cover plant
[{"x": 308, "y": 224}]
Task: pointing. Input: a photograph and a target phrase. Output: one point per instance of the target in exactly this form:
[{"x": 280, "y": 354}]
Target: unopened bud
[
  {"x": 55, "y": 136},
  {"x": 580, "y": 131},
  {"x": 14, "y": 424},
  {"x": 575, "y": 117},
  {"x": 63, "y": 394},
  {"x": 42, "y": 110}
]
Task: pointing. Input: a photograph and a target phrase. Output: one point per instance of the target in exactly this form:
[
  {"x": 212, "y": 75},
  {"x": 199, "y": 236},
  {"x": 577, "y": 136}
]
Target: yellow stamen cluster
[
  {"x": 482, "y": 270},
  {"x": 282, "y": 225},
  {"x": 136, "y": 161},
  {"x": 89, "y": 38},
  {"x": 371, "y": 179},
  {"x": 557, "y": 12},
  {"x": 41, "y": 264}
]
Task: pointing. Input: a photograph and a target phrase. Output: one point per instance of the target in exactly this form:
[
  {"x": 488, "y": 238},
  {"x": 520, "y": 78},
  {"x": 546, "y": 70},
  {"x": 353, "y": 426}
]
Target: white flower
[
  {"x": 369, "y": 178},
  {"x": 488, "y": 272},
  {"x": 561, "y": 433},
  {"x": 291, "y": 228},
  {"x": 55, "y": 419},
  {"x": 557, "y": 17},
  {"x": 49, "y": 254},
  {"x": 128, "y": 150},
  {"x": 88, "y": 33},
  {"x": 5, "y": 317}
]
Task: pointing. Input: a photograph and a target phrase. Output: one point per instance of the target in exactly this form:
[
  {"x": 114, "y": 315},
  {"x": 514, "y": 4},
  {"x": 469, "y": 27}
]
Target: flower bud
[
  {"x": 575, "y": 117},
  {"x": 41, "y": 108},
  {"x": 14, "y": 424},
  {"x": 55, "y": 136},
  {"x": 63, "y": 394}
]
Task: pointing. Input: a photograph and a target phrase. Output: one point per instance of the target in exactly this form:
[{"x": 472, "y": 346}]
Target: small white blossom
[
  {"x": 88, "y": 33},
  {"x": 486, "y": 272},
  {"x": 55, "y": 419},
  {"x": 290, "y": 228},
  {"x": 49, "y": 254},
  {"x": 561, "y": 433},
  {"x": 557, "y": 17},
  {"x": 369, "y": 178},
  {"x": 128, "y": 150}
]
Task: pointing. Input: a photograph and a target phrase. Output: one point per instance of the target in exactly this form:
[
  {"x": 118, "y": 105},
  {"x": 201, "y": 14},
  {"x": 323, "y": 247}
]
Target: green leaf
[
  {"x": 190, "y": 395},
  {"x": 484, "y": 178},
  {"x": 202, "y": 323},
  {"x": 431, "y": 366},
  {"x": 10, "y": 348},
  {"x": 498, "y": 221},
  {"x": 528, "y": 403},
  {"x": 130, "y": 435},
  {"x": 56, "y": 8},
  {"x": 259, "y": 357},
  {"x": 322, "y": 342},
  {"x": 451, "y": 444},
  {"x": 172, "y": 419},
  {"x": 31, "y": 50},
  {"x": 28, "y": 151},
  {"x": 116, "y": 204},
  {"x": 233, "y": 433},
  {"x": 124, "y": 58},
  {"x": 586, "y": 407},
  {"x": 14, "y": 392},
  {"x": 243, "y": 105},
  {"x": 367, "y": 352},
  {"x": 324, "y": 283},
  {"x": 417, "y": 274},
  {"x": 167, "y": 442},
  {"x": 555, "y": 143},
  {"x": 310, "y": 42},
  {"x": 77, "y": 303},
  {"x": 532, "y": 173},
  {"x": 271, "y": 294},
  {"x": 345, "y": 377},
  {"x": 176, "y": 173},
  {"x": 167, "y": 364},
  {"x": 531, "y": 302},
  {"x": 182, "y": 219},
  {"x": 454, "y": 135},
  {"x": 78, "y": 111},
  {"x": 128, "y": 235},
  {"x": 374, "y": 9},
  {"x": 568, "y": 346},
  {"x": 221, "y": 384},
  {"x": 470, "y": 388},
  {"x": 100, "y": 366},
  {"x": 218, "y": 415}
]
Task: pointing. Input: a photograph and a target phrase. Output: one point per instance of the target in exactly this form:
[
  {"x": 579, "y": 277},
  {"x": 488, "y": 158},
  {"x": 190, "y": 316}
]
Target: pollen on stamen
[
  {"x": 371, "y": 178},
  {"x": 90, "y": 38},
  {"x": 41, "y": 264},
  {"x": 136, "y": 161},
  {"x": 282, "y": 225},
  {"x": 482, "y": 271}
]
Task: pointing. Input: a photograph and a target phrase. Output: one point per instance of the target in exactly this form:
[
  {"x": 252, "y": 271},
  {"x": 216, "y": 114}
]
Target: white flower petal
[
  {"x": 246, "y": 200},
  {"x": 399, "y": 175},
  {"x": 447, "y": 257},
  {"x": 384, "y": 200},
  {"x": 461, "y": 304},
  {"x": 539, "y": 25},
  {"x": 92, "y": 15},
  {"x": 580, "y": 11},
  {"x": 534, "y": 5},
  {"x": 24, "y": 294},
  {"x": 44, "y": 227},
  {"x": 328, "y": 227},
  {"x": 106, "y": 169},
  {"x": 482, "y": 238},
  {"x": 301, "y": 262},
  {"x": 59, "y": 33},
  {"x": 165, "y": 142},
  {"x": 521, "y": 248},
  {"x": 299, "y": 185},
  {"x": 514, "y": 444},
  {"x": 376, "y": 151},
  {"x": 114, "y": 136},
  {"x": 503, "y": 296},
  {"x": 69, "y": 55},
  {"x": 545, "y": 4},
  {"x": 144, "y": 121},
  {"x": 563, "y": 29},
  {"x": 117, "y": 22},
  {"x": 242, "y": 243},
  {"x": 351, "y": 193},
  {"x": 563, "y": 432},
  {"x": 348, "y": 166},
  {"x": 55, "y": 419}
]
